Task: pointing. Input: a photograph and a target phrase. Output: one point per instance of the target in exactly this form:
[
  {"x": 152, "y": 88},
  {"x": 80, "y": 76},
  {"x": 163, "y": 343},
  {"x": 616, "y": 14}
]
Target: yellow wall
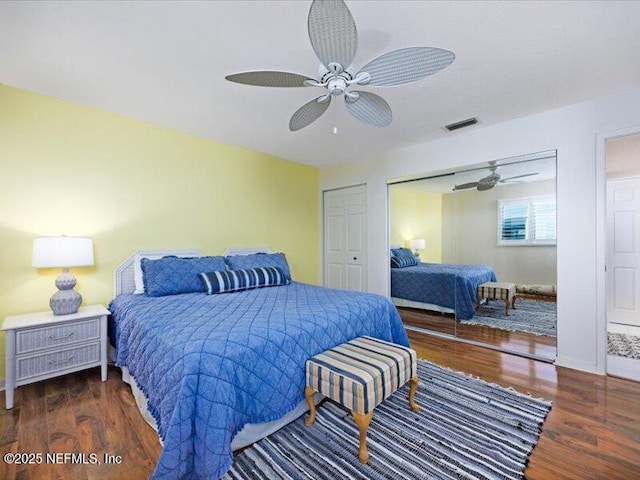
[
  {"x": 68, "y": 169},
  {"x": 413, "y": 215}
]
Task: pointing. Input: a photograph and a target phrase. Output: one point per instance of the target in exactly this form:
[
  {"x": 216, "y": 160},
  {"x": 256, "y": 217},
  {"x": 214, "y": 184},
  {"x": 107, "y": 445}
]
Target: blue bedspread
[
  {"x": 209, "y": 364},
  {"x": 446, "y": 285}
]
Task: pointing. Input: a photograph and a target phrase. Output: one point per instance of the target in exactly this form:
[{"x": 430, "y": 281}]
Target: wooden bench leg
[
  {"x": 413, "y": 386},
  {"x": 309, "y": 393},
  {"x": 513, "y": 302},
  {"x": 506, "y": 307},
  {"x": 362, "y": 421}
]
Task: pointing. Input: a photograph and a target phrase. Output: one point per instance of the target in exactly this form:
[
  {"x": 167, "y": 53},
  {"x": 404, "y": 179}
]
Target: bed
[
  {"x": 211, "y": 366},
  {"x": 445, "y": 288}
]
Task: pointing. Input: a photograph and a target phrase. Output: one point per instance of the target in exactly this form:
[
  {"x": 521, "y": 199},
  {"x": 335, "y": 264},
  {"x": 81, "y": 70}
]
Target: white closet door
[
  {"x": 623, "y": 251},
  {"x": 345, "y": 238}
]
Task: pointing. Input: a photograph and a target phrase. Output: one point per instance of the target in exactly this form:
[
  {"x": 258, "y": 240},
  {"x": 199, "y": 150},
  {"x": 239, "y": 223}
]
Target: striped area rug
[
  {"x": 531, "y": 316},
  {"x": 466, "y": 428}
]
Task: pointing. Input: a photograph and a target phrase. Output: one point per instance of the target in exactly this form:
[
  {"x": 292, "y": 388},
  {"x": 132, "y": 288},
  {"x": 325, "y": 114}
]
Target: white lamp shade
[
  {"x": 418, "y": 244},
  {"x": 49, "y": 252}
]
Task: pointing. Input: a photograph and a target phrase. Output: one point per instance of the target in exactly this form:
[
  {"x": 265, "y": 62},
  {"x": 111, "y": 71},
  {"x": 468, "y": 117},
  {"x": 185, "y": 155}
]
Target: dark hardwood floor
[
  {"x": 592, "y": 431},
  {"x": 78, "y": 413},
  {"x": 444, "y": 323},
  {"x": 519, "y": 342}
]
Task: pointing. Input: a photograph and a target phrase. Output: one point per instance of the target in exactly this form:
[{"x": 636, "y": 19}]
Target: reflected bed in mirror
[{"x": 491, "y": 222}]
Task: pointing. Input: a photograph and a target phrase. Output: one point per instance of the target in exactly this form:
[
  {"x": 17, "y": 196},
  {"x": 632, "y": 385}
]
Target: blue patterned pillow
[
  {"x": 174, "y": 275},
  {"x": 236, "y": 280},
  {"x": 259, "y": 260},
  {"x": 402, "y": 257}
]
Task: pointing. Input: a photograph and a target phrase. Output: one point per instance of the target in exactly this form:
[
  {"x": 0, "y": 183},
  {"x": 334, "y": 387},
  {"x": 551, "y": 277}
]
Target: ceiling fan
[
  {"x": 334, "y": 39},
  {"x": 491, "y": 180}
]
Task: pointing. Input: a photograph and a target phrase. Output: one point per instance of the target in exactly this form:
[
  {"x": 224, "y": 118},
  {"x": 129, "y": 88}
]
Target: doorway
[{"x": 622, "y": 278}]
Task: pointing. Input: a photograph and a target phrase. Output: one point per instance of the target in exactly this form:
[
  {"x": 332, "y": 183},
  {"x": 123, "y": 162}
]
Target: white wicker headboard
[
  {"x": 125, "y": 273},
  {"x": 229, "y": 252}
]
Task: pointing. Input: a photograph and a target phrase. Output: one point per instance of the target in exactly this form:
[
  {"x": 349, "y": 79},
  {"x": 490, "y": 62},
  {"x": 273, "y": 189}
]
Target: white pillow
[{"x": 137, "y": 274}]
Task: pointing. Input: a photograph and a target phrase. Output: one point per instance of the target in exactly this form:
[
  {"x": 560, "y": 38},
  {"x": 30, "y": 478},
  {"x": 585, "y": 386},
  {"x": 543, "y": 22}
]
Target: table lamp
[
  {"x": 418, "y": 244},
  {"x": 65, "y": 252}
]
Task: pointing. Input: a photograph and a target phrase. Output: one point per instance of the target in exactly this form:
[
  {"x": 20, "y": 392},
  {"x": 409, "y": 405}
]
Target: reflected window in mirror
[{"x": 527, "y": 221}]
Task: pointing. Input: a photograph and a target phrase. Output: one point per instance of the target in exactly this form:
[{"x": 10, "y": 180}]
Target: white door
[
  {"x": 345, "y": 238},
  {"x": 623, "y": 251}
]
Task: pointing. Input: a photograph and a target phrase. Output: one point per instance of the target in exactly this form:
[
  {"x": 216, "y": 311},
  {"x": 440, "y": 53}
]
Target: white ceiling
[{"x": 165, "y": 62}]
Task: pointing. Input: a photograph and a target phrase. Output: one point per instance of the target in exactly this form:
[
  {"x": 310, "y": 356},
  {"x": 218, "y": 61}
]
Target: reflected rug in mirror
[
  {"x": 532, "y": 316},
  {"x": 623, "y": 345},
  {"x": 466, "y": 428}
]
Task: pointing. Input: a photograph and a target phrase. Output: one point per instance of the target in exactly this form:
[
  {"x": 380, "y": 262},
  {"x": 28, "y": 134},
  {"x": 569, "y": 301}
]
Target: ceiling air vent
[{"x": 461, "y": 124}]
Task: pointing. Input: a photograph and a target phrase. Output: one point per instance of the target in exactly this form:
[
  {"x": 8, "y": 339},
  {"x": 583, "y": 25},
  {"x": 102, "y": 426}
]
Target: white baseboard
[
  {"x": 568, "y": 362},
  {"x": 623, "y": 367},
  {"x": 401, "y": 302}
]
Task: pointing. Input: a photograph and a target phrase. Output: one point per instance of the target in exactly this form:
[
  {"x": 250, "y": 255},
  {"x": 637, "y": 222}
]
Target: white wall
[
  {"x": 470, "y": 234},
  {"x": 572, "y": 131}
]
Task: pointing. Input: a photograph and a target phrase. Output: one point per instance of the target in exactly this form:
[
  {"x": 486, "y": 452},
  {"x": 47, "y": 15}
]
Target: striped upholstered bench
[
  {"x": 504, "y": 291},
  {"x": 359, "y": 375}
]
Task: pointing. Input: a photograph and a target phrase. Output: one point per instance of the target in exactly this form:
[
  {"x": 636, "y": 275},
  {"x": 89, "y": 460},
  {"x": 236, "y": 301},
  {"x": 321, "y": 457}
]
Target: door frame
[
  {"x": 601, "y": 240},
  {"x": 323, "y": 227}
]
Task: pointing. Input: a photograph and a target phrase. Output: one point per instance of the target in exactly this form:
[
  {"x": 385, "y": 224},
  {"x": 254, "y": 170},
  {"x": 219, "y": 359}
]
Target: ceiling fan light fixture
[
  {"x": 337, "y": 86},
  {"x": 361, "y": 79},
  {"x": 351, "y": 97},
  {"x": 461, "y": 124},
  {"x": 334, "y": 39}
]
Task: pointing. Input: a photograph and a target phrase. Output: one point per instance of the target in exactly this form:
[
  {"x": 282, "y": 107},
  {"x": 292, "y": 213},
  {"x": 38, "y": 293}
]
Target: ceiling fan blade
[
  {"x": 407, "y": 65},
  {"x": 465, "y": 185},
  {"x": 369, "y": 108},
  {"x": 332, "y": 32},
  {"x": 518, "y": 176},
  {"x": 485, "y": 186},
  {"x": 309, "y": 112},
  {"x": 269, "y": 79}
]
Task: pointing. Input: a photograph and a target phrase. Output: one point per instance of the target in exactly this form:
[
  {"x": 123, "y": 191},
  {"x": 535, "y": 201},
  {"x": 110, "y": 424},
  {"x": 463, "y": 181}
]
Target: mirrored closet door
[{"x": 485, "y": 236}]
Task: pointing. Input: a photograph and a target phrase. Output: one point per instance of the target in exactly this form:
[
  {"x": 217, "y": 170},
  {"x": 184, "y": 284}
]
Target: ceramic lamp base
[{"x": 66, "y": 300}]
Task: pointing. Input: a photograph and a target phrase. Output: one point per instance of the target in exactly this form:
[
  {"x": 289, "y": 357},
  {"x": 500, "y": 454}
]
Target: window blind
[
  {"x": 544, "y": 220},
  {"x": 514, "y": 222},
  {"x": 527, "y": 221}
]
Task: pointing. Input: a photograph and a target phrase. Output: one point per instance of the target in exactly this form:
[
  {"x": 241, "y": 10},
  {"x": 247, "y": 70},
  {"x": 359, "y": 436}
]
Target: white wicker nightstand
[{"x": 44, "y": 345}]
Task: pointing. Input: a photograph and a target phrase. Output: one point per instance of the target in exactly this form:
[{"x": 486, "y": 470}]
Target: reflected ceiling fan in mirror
[
  {"x": 334, "y": 39},
  {"x": 491, "y": 180}
]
